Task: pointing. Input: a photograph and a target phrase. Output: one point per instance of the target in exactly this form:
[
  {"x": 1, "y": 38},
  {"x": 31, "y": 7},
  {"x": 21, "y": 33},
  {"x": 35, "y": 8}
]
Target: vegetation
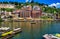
[
  {"x": 7, "y": 9},
  {"x": 50, "y": 10},
  {"x": 47, "y": 9},
  {"x": 0, "y": 19},
  {"x": 46, "y": 17}
]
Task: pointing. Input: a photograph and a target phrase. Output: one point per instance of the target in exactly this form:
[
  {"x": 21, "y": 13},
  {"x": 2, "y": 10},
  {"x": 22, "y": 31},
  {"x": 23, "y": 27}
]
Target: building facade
[
  {"x": 28, "y": 11},
  {"x": 7, "y": 6}
]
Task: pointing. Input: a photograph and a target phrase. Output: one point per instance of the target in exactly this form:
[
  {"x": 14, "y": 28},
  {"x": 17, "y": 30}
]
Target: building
[
  {"x": 25, "y": 12},
  {"x": 57, "y": 16},
  {"x": 29, "y": 12},
  {"x": 36, "y": 12},
  {"x": 7, "y": 6}
]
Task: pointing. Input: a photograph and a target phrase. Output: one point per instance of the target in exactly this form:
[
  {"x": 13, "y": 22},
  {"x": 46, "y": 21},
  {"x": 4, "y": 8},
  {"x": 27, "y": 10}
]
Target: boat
[
  {"x": 11, "y": 33},
  {"x": 51, "y": 36},
  {"x": 33, "y": 22},
  {"x": 17, "y": 30},
  {"x": 4, "y": 28},
  {"x": 7, "y": 33}
]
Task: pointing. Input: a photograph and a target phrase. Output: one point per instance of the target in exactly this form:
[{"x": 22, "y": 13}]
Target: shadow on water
[{"x": 34, "y": 31}]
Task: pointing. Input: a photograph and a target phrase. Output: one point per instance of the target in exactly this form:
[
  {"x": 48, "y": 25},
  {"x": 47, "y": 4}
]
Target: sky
[{"x": 51, "y": 3}]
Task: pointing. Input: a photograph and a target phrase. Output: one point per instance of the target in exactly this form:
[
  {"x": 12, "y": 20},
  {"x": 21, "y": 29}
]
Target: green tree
[
  {"x": 9, "y": 9},
  {"x": 5, "y": 2},
  {"x": 3, "y": 9},
  {"x": 18, "y": 7},
  {"x": 0, "y": 20}
]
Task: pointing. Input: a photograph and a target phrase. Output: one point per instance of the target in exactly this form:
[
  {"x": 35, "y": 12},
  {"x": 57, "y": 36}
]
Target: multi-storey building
[
  {"x": 7, "y": 6},
  {"x": 29, "y": 11}
]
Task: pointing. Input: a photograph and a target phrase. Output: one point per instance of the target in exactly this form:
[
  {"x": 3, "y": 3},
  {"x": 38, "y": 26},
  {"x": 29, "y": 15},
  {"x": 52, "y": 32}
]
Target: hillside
[{"x": 44, "y": 7}]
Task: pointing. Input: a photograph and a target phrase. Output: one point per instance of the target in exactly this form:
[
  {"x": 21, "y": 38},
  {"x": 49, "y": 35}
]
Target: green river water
[{"x": 34, "y": 31}]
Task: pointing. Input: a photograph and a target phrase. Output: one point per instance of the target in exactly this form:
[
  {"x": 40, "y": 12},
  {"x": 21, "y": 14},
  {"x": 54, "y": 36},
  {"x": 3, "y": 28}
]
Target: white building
[{"x": 7, "y": 6}]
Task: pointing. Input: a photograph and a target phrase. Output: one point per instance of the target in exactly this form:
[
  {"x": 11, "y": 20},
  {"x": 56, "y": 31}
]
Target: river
[{"x": 34, "y": 31}]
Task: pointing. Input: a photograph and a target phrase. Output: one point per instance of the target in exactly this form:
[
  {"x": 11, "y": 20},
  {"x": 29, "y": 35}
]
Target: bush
[
  {"x": 1, "y": 20},
  {"x": 44, "y": 17}
]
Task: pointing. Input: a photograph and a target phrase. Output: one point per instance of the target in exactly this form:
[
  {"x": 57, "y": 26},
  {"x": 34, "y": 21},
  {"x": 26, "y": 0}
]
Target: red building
[{"x": 28, "y": 11}]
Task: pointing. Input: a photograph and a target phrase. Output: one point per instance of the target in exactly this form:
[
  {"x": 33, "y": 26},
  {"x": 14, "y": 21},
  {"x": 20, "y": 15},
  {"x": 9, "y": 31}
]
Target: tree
[
  {"x": 3, "y": 9},
  {"x": 11, "y": 2},
  {"x": 16, "y": 3},
  {"x": 0, "y": 2},
  {"x": 0, "y": 19},
  {"x": 18, "y": 7},
  {"x": 9, "y": 9},
  {"x": 5, "y": 2}
]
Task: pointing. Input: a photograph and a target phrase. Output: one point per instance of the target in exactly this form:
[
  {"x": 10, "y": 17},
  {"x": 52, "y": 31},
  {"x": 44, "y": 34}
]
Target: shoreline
[
  {"x": 31, "y": 19},
  {"x": 34, "y": 19}
]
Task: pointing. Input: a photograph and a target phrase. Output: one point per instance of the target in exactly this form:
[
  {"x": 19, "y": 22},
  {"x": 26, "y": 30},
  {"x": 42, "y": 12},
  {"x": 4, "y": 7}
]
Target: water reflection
[{"x": 34, "y": 31}]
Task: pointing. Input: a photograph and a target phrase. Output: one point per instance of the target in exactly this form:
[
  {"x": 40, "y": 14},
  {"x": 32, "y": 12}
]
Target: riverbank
[
  {"x": 31, "y": 19},
  {"x": 34, "y": 19},
  {"x": 42, "y": 19}
]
